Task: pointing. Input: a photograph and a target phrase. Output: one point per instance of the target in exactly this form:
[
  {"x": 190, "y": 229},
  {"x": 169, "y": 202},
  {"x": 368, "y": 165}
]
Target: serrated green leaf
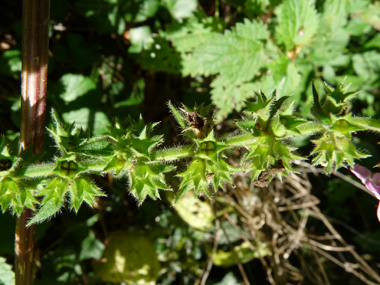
[
  {"x": 237, "y": 55},
  {"x": 367, "y": 65},
  {"x": 371, "y": 14},
  {"x": 119, "y": 163},
  {"x": 335, "y": 14},
  {"x": 16, "y": 195},
  {"x": 90, "y": 190},
  {"x": 228, "y": 95},
  {"x": 82, "y": 189},
  {"x": 187, "y": 35},
  {"x": 285, "y": 74},
  {"x": 219, "y": 173},
  {"x": 297, "y": 23}
]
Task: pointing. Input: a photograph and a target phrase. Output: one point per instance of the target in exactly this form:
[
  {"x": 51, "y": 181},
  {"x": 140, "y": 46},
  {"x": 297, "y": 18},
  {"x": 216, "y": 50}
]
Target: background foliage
[{"x": 118, "y": 59}]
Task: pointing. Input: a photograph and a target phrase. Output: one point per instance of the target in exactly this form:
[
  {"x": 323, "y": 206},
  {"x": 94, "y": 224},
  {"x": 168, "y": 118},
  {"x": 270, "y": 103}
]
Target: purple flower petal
[
  {"x": 365, "y": 175},
  {"x": 372, "y": 182}
]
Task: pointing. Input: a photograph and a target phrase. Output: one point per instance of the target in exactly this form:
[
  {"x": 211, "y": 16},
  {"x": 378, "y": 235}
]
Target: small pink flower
[{"x": 372, "y": 182}]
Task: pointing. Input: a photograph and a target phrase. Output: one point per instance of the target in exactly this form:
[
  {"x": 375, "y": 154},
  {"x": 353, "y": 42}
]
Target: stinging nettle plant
[{"x": 267, "y": 129}]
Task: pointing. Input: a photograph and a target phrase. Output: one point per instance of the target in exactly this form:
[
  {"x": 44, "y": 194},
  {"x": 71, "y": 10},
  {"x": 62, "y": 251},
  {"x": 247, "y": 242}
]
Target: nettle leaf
[
  {"x": 146, "y": 180},
  {"x": 187, "y": 35},
  {"x": 367, "y": 66},
  {"x": 297, "y": 23},
  {"x": 285, "y": 75},
  {"x": 238, "y": 54},
  {"x": 229, "y": 95},
  {"x": 371, "y": 14},
  {"x": 335, "y": 14}
]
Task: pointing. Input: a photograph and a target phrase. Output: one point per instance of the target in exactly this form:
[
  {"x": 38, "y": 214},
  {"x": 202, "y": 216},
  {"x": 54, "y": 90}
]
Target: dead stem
[{"x": 277, "y": 217}]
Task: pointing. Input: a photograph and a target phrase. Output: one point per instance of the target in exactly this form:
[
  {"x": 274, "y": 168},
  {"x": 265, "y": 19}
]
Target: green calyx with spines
[
  {"x": 272, "y": 123},
  {"x": 203, "y": 175},
  {"x": 196, "y": 123},
  {"x": 334, "y": 148},
  {"x": 146, "y": 180}
]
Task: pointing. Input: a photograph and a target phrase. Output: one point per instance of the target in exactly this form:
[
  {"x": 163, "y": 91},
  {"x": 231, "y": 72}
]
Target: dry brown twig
[{"x": 278, "y": 217}]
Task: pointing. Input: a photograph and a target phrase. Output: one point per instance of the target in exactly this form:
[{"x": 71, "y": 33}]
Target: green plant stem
[
  {"x": 240, "y": 140},
  {"x": 35, "y": 31},
  {"x": 311, "y": 128},
  {"x": 172, "y": 154},
  {"x": 162, "y": 155}
]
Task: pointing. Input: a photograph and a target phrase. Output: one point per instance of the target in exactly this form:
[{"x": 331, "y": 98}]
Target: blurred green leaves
[{"x": 297, "y": 23}]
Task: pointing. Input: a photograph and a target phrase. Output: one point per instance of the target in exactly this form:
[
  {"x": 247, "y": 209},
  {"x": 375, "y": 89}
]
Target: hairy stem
[
  {"x": 35, "y": 30},
  {"x": 171, "y": 154}
]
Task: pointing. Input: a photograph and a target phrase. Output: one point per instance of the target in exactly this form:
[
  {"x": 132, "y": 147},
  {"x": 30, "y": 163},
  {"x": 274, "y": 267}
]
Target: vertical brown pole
[{"x": 35, "y": 36}]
